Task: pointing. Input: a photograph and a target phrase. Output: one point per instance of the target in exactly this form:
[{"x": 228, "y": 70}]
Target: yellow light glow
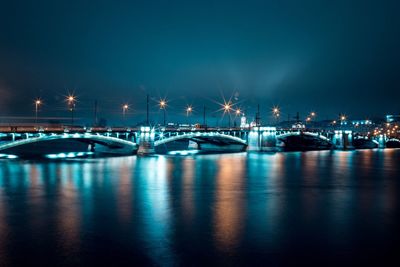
[{"x": 70, "y": 98}]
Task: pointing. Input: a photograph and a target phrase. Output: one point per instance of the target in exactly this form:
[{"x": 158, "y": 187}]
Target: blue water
[{"x": 310, "y": 208}]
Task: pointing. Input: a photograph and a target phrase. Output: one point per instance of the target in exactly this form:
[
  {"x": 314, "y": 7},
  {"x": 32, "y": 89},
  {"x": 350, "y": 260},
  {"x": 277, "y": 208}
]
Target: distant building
[
  {"x": 392, "y": 118},
  {"x": 361, "y": 122},
  {"x": 243, "y": 122}
]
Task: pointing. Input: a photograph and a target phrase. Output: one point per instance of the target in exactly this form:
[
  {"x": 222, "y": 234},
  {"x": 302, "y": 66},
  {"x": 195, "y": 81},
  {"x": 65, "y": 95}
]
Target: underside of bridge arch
[
  {"x": 62, "y": 145},
  {"x": 202, "y": 144},
  {"x": 303, "y": 142}
]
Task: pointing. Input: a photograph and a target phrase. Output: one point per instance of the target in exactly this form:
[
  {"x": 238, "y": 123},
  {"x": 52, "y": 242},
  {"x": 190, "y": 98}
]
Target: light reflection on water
[{"x": 222, "y": 209}]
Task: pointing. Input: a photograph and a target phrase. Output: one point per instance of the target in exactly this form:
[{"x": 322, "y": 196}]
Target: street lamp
[
  {"x": 163, "y": 105},
  {"x": 227, "y": 108},
  {"x": 125, "y": 108},
  {"x": 238, "y": 112},
  {"x": 311, "y": 116},
  {"x": 276, "y": 113},
  {"x": 343, "y": 118},
  {"x": 189, "y": 110},
  {"x": 71, "y": 99},
  {"x": 38, "y": 102}
]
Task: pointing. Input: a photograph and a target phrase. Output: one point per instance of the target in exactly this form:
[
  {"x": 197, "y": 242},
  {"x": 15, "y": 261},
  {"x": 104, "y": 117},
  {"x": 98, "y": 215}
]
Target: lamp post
[
  {"x": 163, "y": 105},
  {"x": 227, "y": 109},
  {"x": 38, "y": 102},
  {"x": 71, "y": 106},
  {"x": 189, "y": 110},
  {"x": 125, "y": 108},
  {"x": 238, "y": 112},
  {"x": 342, "y": 119},
  {"x": 276, "y": 113}
]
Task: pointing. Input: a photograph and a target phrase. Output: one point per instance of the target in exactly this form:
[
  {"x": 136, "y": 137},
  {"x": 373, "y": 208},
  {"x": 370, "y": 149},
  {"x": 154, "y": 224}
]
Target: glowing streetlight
[
  {"x": 125, "y": 108},
  {"x": 163, "y": 105},
  {"x": 189, "y": 110},
  {"x": 38, "y": 102},
  {"x": 276, "y": 112},
  {"x": 313, "y": 114},
  {"x": 227, "y": 109},
  {"x": 238, "y": 113},
  {"x": 71, "y": 99}
]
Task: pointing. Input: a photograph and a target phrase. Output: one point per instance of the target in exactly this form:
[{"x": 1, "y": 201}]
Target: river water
[{"x": 314, "y": 208}]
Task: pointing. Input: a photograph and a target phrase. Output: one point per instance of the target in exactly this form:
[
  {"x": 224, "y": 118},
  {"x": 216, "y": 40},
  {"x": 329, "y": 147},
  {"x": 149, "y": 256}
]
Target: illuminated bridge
[{"x": 78, "y": 141}]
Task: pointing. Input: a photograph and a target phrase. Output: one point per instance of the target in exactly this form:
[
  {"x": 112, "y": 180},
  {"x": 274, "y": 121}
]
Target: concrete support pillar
[
  {"x": 268, "y": 139},
  {"x": 146, "y": 141},
  {"x": 382, "y": 141},
  {"x": 262, "y": 139},
  {"x": 343, "y": 139}
]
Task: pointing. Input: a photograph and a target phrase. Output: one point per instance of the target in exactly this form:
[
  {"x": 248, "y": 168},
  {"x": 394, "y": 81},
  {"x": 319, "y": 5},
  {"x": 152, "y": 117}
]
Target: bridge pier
[
  {"x": 382, "y": 140},
  {"x": 343, "y": 139},
  {"x": 262, "y": 139},
  {"x": 146, "y": 141}
]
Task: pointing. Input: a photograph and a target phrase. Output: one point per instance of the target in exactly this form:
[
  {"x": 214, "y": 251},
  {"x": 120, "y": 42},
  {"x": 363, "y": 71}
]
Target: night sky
[{"x": 326, "y": 56}]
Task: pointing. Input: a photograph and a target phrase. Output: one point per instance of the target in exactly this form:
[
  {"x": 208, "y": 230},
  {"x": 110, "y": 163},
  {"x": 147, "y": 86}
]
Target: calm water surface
[{"x": 331, "y": 208}]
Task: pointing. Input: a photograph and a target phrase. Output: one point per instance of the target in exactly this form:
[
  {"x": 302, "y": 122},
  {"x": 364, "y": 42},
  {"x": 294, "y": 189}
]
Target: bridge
[{"x": 64, "y": 142}]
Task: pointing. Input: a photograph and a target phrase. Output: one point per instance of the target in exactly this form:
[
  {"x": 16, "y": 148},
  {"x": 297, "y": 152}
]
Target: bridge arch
[
  {"x": 301, "y": 141},
  {"x": 200, "y": 142},
  {"x": 393, "y": 143},
  {"x": 68, "y": 143}
]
